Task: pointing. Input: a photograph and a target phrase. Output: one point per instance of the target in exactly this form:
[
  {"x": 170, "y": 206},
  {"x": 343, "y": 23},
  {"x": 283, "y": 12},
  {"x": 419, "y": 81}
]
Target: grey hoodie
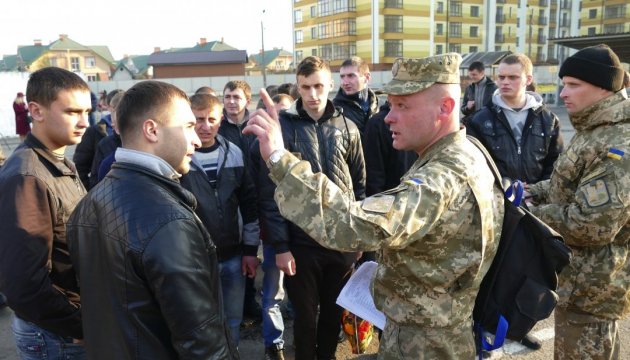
[{"x": 517, "y": 119}]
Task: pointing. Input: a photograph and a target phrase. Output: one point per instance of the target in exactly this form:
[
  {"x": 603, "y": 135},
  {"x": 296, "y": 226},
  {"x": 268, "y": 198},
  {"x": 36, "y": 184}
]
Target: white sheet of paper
[{"x": 357, "y": 298}]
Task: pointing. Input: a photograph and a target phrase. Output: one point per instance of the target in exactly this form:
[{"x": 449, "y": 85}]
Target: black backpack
[{"x": 519, "y": 288}]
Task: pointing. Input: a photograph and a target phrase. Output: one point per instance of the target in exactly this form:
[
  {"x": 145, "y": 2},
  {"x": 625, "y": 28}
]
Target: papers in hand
[{"x": 357, "y": 298}]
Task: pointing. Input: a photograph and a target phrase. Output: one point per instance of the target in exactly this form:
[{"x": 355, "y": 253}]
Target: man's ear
[
  {"x": 368, "y": 77},
  {"x": 150, "y": 130},
  {"x": 447, "y": 106},
  {"x": 36, "y": 111}
]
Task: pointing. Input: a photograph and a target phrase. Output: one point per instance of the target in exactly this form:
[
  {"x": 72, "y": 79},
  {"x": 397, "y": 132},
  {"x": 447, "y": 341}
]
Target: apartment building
[{"x": 382, "y": 30}]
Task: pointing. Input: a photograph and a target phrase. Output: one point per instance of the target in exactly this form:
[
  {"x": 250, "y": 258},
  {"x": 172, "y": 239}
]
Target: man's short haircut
[
  {"x": 113, "y": 103},
  {"x": 477, "y": 65},
  {"x": 206, "y": 90},
  {"x": 285, "y": 88},
  {"x": 204, "y": 102},
  {"x": 145, "y": 100},
  {"x": 362, "y": 66},
  {"x": 279, "y": 97},
  {"x": 111, "y": 95},
  {"x": 520, "y": 59},
  {"x": 239, "y": 84},
  {"x": 45, "y": 84},
  {"x": 310, "y": 65}
]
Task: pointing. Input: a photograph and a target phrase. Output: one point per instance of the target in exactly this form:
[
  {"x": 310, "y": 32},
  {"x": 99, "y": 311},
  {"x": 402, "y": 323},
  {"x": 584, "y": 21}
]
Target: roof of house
[
  {"x": 30, "y": 53},
  {"x": 197, "y": 57},
  {"x": 8, "y": 63},
  {"x": 135, "y": 64},
  {"x": 270, "y": 56},
  {"x": 487, "y": 58},
  {"x": 208, "y": 46}
]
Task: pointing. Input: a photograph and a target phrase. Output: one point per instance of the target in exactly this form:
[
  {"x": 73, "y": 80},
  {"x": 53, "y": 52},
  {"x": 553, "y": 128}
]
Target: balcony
[
  {"x": 542, "y": 20},
  {"x": 500, "y": 18},
  {"x": 499, "y": 38}
]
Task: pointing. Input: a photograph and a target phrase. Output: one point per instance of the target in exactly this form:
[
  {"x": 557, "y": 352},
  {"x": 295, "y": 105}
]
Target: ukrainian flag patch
[
  {"x": 413, "y": 181},
  {"x": 615, "y": 154}
]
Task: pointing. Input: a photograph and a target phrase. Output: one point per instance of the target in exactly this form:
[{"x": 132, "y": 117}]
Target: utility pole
[
  {"x": 262, "y": 56},
  {"x": 531, "y": 16}
]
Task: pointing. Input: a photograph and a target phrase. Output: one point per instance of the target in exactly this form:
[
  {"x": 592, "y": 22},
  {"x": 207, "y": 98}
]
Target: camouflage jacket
[
  {"x": 587, "y": 200},
  {"x": 438, "y": 229}
]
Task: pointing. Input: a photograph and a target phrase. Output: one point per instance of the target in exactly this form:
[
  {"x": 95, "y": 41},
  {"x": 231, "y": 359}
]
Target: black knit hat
[{"x": 597, "y": 65}]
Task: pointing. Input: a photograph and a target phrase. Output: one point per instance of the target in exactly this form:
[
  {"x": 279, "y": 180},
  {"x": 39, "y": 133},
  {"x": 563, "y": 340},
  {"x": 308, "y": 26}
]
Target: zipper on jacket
[{"x": 322, "y": 150}]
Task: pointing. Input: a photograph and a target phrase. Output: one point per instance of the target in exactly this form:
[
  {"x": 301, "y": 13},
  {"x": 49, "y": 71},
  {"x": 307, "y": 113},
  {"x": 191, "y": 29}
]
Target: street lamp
[{"x": 262, "y": 56}]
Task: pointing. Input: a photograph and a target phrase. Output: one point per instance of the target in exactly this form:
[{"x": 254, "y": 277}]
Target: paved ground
[{"x": 251, "y": 346}]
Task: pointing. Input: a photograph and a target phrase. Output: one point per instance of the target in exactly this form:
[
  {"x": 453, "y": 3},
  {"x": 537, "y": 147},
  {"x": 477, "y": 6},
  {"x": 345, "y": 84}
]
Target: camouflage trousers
[
  {"x": 419, "y": 343},
  {"x": 585, "y": 337}
]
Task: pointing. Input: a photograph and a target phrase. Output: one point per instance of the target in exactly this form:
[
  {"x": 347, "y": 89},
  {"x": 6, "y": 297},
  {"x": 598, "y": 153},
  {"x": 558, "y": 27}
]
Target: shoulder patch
[
  {"x": 378, "y": 203},
  {"x": 596, "y": 193},
  {"x": 615, "y": 154}
]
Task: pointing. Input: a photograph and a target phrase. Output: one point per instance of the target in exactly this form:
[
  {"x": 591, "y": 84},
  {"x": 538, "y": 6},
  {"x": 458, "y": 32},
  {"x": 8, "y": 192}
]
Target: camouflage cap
[{"x": 413, "y": 75}]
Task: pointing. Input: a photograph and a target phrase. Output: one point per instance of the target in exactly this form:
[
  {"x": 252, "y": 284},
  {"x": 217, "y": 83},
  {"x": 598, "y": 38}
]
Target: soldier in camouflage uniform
[
  {"x": 438, "y": 229},
  {"x": 587, "y": 200}
]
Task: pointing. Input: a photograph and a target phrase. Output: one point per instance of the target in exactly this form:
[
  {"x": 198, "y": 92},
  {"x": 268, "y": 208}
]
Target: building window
[
  {"x": 497, "y": 48},
  {"x": 344, "y": 27},
  {"x": 92, "y": 78},
  {"x": 393, "y": 48},
  {"x": 325, "y": 51},
  {"x": 299, "y": 37},
  {"x": 613, "y": 28},
  {"x": 313, "y": 11},
  {"x": 342, "y": 51},
  {"x": 340, "y": 6},
  {"x": 324, "y": 30},
  {"x": 393, "y": 23},
  {"x": 396, "y": 4},
  {"x": 455, "y": 8},
  {"x": 592, "y": 14},
  {"x": 53, "y": 61},
  {"x": 455, "y": 48},
  {"x": 455, "y": 29},
  {"x": 440, "y": 7},
  {"x": 439, "y": 49},
  {"x": 591, "y": 31},
  {"x": 473, "y": 49},
  {"x": 298, "y": 16},
  {"x": 323, "y": 7},
  {"x": 313, "y": 33},
  {"x": 474, "y": 11},
  {"x": 313, "y": 52},
  {"x": 474, "y": 31},
  {"x": 90, "y": 62},
  {"x": 439, "y": 29},
  {"x": 74, "y": 64},
  {"x": 299, "y": 56}
]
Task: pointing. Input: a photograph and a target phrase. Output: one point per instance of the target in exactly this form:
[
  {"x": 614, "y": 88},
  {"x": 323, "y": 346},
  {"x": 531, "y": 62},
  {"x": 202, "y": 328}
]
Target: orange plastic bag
[{"x": 358, "y": 331}]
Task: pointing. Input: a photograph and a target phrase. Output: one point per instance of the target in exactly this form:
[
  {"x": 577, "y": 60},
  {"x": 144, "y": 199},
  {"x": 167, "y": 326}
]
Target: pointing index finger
[{"x": 269, "y": 106}]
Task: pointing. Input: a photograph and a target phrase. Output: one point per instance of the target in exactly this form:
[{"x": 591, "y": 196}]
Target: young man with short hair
[
  {"x": 314, "y": 130},
  {"x": 39, "y": 189},
  {"x": 225, "y": 196},
  {"x": 479, "y": 93},
  {"x": 146, "y": 264}
]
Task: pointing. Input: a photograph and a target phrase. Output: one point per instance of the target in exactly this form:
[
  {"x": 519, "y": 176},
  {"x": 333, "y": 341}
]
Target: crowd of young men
[{"x": 153, "y": 261}]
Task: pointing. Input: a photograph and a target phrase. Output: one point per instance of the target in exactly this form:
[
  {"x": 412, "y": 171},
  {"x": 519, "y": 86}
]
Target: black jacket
[
  {"x": 541, "y": 142},
  {"x": 218, "y": 206},
  {"x": 332, "y": 145},
  {"x": 148, "y": 271},
  {"x": 384, "y": 165},
  {"x": 38, "y": 192},
  {"x": 469, "y": 94},
  {"x": 234, "y": 134},
  {"x": 84, "y": 152},
  {"x": 106, "y": 146},
  {"x": 352, "y": 108}
]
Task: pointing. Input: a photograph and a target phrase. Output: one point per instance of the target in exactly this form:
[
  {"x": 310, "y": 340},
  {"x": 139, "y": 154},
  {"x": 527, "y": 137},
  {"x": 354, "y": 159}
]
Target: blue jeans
[
  {"x": 35, "y": 343},
  {"x": 233, "y": 287},
  {"x": 272, "y": 296}
]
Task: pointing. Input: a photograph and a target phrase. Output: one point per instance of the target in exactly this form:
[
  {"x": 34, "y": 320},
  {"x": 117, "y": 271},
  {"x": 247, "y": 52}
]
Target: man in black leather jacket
[
  {"x": 315, "y": 130},
  {"x": 146, "y": 265}
]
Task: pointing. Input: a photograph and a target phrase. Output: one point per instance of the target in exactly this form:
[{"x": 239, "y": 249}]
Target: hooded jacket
[
  {"x": 332, "y": 145},
  {"x": 531, "y": 156}
]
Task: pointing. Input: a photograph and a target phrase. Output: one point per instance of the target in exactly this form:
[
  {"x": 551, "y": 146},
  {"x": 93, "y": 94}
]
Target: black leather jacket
[
  {"x": 148, "y": 271},
  {"x": 532, "y": 159},
  {"x": 352, "y": 108},
  {"x": 332, "y": 145},
  {"x": 469, "y": 94}
]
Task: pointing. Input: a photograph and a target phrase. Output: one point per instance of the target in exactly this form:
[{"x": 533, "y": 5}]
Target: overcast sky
[{"x": 135, "y": 27}]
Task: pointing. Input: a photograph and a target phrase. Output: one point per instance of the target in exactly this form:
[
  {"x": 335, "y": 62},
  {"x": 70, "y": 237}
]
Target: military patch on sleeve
[
  {"x": 615, "y": 154},
  {"x": 379, "y": 203},
  {"x": 413, "y": 182},
  {"x": 596, "y": 193}
]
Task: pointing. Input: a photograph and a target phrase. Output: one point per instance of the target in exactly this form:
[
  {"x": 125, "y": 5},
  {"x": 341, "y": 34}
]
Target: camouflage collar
[{"x": 602, "y": 112}]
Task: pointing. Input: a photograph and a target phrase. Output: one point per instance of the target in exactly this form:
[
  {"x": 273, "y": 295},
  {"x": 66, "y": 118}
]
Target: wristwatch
[{"x": 275, "y": 157}]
